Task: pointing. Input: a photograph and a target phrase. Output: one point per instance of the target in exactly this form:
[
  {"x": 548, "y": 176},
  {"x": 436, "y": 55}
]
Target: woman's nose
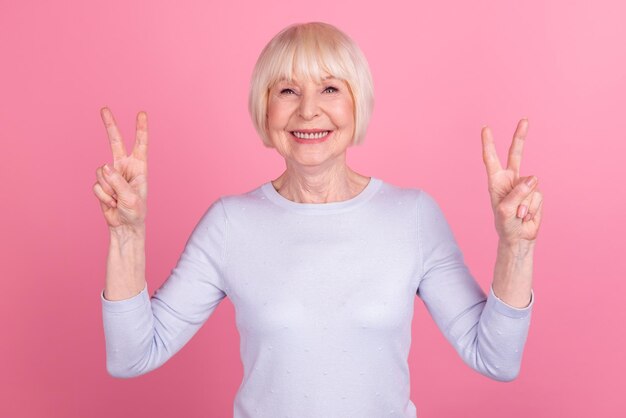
[{"x": 309, "y": 107}]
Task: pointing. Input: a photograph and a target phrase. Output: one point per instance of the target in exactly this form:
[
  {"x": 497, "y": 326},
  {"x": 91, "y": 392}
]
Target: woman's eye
[
  {"x": 287, "y": 91},
  {"x": 331, "y": 88}
]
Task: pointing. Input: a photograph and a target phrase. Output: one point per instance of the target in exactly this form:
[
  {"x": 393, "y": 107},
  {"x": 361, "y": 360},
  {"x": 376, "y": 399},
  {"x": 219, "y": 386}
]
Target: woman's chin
[{"x": 311, "y": 160}]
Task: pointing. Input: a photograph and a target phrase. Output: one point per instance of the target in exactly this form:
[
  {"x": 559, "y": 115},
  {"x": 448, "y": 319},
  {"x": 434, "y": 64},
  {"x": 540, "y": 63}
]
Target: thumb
[
  {"x": 117, "y": 181},
  {"x": 519, "y": 193}
]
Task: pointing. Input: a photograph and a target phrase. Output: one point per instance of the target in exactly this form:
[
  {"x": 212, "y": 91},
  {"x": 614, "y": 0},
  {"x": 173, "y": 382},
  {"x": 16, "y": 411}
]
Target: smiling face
[{"x": 311, "y": 123}]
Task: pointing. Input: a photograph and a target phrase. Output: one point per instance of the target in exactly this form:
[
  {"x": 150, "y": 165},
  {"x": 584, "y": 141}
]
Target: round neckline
[{"x": 331, "y": 207}]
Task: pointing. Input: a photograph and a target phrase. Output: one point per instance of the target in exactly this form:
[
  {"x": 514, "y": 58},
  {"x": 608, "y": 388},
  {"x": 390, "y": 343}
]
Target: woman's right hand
[{"x": 123, "y": 187}]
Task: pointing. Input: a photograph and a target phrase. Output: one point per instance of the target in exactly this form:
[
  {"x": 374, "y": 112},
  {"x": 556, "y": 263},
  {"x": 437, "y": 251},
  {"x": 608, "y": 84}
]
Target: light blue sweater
[{"x": 323, "y": 295}]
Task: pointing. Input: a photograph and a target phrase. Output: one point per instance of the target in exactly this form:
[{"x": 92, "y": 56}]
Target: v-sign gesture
[
  {"x": 122, "y": 188},
  {"x": 516, "y": 201}
]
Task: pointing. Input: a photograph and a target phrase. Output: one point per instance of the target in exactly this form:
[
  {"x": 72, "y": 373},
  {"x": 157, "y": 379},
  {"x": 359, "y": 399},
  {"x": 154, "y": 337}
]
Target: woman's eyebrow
[{"x": 286, "y": 81}]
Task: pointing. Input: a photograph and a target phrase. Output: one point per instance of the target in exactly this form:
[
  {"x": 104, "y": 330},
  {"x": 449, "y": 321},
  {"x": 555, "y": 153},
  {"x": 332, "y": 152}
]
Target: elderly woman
[{"x": 321, "y": 264}]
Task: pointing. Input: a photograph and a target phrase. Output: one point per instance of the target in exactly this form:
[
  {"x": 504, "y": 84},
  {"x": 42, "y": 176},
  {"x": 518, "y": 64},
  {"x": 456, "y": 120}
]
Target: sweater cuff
[
  {"x": 505, "y": 309},
  {"x": 126, "y": 305}
]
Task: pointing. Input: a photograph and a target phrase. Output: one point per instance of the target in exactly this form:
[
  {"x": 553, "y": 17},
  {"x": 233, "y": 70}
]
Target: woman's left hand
[{"x": 516, "y": 201}]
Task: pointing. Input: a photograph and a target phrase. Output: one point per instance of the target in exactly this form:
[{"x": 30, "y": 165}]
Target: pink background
[{"x": 441, "y": 71}]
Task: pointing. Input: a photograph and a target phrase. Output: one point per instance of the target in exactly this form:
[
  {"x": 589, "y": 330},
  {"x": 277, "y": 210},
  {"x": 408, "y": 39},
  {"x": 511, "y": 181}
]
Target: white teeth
[{"x": 316, "y": 135}]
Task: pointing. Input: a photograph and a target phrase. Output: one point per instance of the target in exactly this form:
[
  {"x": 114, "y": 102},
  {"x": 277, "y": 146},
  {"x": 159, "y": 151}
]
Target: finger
[
  {"x": 103, "y": 196},
  {"x": 115, "y": 138},
  {"x": 524, "y": 206},
  {"x": 103, "y": 182},
  {"x": 140, "y": 150},
  {"x": 530, "y": 203},
  {"x": 117, "y": 182},
  {"x": 520, "y": 192},
  {"x": 517, "y": 147},
  {"x": 104, "y": 206},
  {"x": 538, "y": 213},
  {"x": 522, "y": 210},
  {"x": 490, "y": 157},
  {"x": 537, "y": 198}
]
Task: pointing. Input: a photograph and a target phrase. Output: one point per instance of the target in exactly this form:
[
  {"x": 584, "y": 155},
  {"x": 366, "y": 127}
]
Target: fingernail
[
  {"x": 521, "y": 211},
  {"x": 106, "y": 169},
  {"x": 531, "y": 181}
]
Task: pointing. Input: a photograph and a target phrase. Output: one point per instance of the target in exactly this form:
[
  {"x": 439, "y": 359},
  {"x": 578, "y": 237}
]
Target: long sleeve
[
  {"x": 488, "y": 334},
  {"x": 142, "y": 333}
]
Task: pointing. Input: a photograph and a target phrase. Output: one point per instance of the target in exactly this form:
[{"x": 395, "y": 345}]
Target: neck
[{"x": 319, "y": 184}]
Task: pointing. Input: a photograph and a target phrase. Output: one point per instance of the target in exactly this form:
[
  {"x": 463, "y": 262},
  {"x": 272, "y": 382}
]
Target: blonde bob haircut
[{"x": 311, "y": 51}]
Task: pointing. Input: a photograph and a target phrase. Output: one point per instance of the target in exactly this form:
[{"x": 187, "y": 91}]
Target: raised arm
[
  {"x": 143, "y": 332},
  {"x": 122, "y": 190},
  {"x": 488, "y": 331},
  {"x": 516, "y": 202}
]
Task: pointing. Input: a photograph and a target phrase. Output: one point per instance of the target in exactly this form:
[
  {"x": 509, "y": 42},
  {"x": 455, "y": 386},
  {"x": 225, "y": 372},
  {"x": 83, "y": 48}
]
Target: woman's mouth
[{"x": 310, "y": 137}]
